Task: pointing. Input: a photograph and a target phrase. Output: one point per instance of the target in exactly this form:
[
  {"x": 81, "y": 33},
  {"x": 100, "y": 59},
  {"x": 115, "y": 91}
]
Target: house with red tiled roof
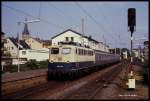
[
  {"x": 12, "y": 46},
  {"x": 37, "y": 43}
]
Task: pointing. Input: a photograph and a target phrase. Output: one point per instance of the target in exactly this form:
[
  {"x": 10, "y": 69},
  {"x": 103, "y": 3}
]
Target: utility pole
[
  {"x": 82, "y": 26},
  {"x": 82, "y": 30},
  {"x": 131, "y": 46},
  {"x": 120, "y": 47},
  {"x": 18, "y": 52},
  {"x": 104, "y": 43},
  {"x": 26, "y": 22}
]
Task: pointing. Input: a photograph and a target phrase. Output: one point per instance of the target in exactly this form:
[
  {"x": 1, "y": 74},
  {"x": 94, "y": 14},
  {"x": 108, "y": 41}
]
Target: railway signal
[
  {"x": 131, "y": 26},
  {"x": 131, "y": 19}
]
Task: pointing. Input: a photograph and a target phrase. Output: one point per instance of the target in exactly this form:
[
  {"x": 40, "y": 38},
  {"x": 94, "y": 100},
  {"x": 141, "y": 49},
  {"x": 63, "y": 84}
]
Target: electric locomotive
[{"x": 72, "y": 59}]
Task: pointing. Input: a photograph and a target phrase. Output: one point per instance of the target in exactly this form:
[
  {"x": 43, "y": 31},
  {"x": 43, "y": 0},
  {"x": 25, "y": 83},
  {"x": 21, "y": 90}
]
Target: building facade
[
  {"x": 146, "y": 51},
  {"x": 36, "y": 43},
  {"x": 34, "y": 54},
  {"x": 12, "y": 46},
  {"x": 73, "y": 36}
]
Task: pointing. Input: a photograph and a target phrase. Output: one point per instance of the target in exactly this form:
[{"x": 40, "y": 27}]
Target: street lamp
[{"x": 26, "y": 22}]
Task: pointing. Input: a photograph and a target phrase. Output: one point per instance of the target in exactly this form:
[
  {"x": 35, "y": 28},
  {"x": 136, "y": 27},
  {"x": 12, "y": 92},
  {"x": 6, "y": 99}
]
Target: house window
[
  {"x": 67, "y": 39},
  {"x": 72, "y": 39},
  {"x": 23, "y": 52}
]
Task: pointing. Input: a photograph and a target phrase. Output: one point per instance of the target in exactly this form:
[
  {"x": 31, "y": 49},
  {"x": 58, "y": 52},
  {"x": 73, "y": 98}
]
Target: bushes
[
  {"x": 33, "y": 64},
  {"x": 43, "y": 64},
  {"x": 10, "y": 68},
  {"x": 30, "y": 65}
]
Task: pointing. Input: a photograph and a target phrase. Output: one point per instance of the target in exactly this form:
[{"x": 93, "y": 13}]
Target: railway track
[
  {"x": 31, "y": 91},
  {"x": 89, "y": 91},
  {"x": 15, "y": 82},
  {"x": 69, "y": 89}
]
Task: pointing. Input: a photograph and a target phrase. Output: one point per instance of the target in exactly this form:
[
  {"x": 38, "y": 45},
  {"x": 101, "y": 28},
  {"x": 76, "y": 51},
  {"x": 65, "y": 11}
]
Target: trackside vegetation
[{"x": 30, "y": 65}]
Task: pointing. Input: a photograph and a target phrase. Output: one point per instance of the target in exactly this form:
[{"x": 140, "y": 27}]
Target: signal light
[{"x": 131, "y": 17}]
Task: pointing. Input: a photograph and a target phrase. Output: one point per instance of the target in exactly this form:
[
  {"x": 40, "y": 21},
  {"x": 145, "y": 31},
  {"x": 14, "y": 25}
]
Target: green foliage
[
  {"x": 14, "y": 68},
  {"x": 30, "y": 65},
  {"x": 10, "y": 68},
  {"x": 37, "y": 65},
  {"x": 43, "y": 64}
]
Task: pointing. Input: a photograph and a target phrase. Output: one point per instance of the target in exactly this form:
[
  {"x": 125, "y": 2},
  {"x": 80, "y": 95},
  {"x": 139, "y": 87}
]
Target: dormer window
[
  {"x": 67, "y": 39},
  {"x": 72, "y": 39}
]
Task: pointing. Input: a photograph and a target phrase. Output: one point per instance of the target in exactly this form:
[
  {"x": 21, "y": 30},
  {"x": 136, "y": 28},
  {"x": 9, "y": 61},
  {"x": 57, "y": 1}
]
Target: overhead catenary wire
[
  {"x": 43, "y": 20},
  {"x": 89, "y": 15},
  {"x": 92, "y": 18},
  {"x": 61, "y": 12},
  {"x": 105, "y": 17}
]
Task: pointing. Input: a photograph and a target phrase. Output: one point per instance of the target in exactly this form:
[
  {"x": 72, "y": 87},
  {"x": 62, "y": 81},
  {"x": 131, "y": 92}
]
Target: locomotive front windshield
[
  {"x": 66, "y": 50},
  {"x": 55, "y": 51}
]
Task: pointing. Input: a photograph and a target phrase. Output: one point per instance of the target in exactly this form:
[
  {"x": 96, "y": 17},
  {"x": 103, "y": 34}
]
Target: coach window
[
  {"x": 76, "y": 51},
  {"x": 91, "y": 53},
  {"x": 82, "y": 52},
  {"x": 55, "y": 51},
  {"x": 66, "y": 50}
]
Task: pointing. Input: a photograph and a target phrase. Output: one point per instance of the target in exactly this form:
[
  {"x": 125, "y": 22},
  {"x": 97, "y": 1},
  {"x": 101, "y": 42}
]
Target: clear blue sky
[{"x": 110, "y": 17}]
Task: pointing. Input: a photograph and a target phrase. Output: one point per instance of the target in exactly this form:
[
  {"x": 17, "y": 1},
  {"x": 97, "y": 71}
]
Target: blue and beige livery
[{"x": 73, "y": 59}]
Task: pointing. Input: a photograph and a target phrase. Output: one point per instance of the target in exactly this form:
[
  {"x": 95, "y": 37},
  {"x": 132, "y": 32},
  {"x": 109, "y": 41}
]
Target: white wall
[
  {"x": 9, "y": 46},
  {"x": 38, "y": 54},
  {"x": 62, "y": 37},
  {"x": 78, "y": 39},
  {"x": 136, "y": 53},
  {"x": 125, "y": 55}
]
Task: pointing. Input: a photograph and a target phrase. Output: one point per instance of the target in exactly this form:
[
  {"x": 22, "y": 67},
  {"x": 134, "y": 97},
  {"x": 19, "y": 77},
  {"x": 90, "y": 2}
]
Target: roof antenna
[
  {"x": 82, "y": 26},
  {"x": 82, "y": 31}
]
